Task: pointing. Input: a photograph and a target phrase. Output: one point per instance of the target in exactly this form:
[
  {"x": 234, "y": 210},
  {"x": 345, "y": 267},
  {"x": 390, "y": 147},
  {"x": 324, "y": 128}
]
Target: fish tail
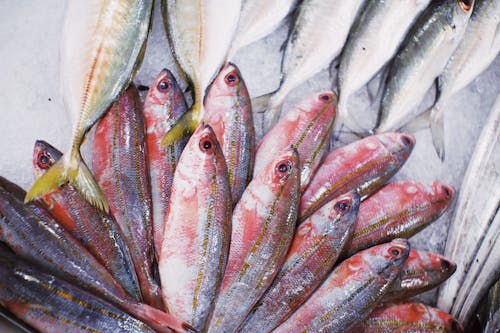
[
  {"x": 437, "y": 129},
  {"x": 75, "y": 172},
  {"x": 269, "y": 108},
  {"x": 185, "y": 125}
]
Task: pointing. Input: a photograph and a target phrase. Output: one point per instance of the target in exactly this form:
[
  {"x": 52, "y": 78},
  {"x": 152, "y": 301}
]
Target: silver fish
[
  {"x": 421, "y": 58},
  {"x": 319, "y": 33},
  {"x": 478, "y": 49},
  {"x": 373, "y": 40},
  {"x": 258, "y": 19},
  {"x": 474, "y": 236}
]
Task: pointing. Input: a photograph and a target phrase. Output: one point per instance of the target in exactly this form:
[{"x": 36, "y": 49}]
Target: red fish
[
  {"x": 263, "y": 224},
  {"x": 364, "y": 165},
  {"x": 119, "y": 165},
  {"x": 163, "y": 106},
  {"x": 197, "y": 230},
  {"x": 307, "y": 127},
  {"x": 228, "y": 111}
]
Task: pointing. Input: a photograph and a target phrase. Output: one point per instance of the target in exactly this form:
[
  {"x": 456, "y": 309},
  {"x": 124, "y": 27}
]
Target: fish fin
[
  {"x": 418, "y": 123},
  {"x": 261, "y": 103},
  {"x": 270, "y": 113},
  {"x": 185, "y": 125},
  {"x": 77, "y": 174},
  {"x": 437, "y": 130}
]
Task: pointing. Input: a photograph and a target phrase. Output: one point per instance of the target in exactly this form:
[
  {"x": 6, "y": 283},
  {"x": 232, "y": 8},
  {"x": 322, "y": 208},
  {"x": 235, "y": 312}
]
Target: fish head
[
  {"x": 400, "y": 145},
  {"x": 344, "y": 209},
  {"x": 228, "y": 83},
  {"x": 326, "y": 100},
  {"x": 44, "y": 156},
  {"x": 442, "y": 197},
  {"x": 204, "y": 144},
  {"x": 165, "y": 91},
  {"x": 388, "y": 259},
  {"x": 460, "y": 12},
  {"x": 282, "y": 170}
]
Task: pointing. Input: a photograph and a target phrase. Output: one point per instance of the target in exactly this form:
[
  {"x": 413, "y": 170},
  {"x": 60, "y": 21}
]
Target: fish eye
[
  {"x": 231, "y": 79},
  {"x": 395, "y": 252},
  {"x": 466, "y": 4},
  {"x": 43, "y": 161},
  {"x": 325, "y": 97},
  {"x": 206, "y": 145},
  {"x": 283, "y": 168},
  {"x": 163, "y": 85},
  {"x": 342, "y": 206}
]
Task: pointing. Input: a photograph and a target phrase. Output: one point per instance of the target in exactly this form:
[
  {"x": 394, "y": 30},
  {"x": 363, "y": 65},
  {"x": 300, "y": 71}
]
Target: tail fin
[
  {"x": 80, "y": 177},
  {"x": 271, "y": 113},
  {"x": 437, "y": 129},
  {"x": 159, "y": 320},
  {"x": 186, "y": 125}
]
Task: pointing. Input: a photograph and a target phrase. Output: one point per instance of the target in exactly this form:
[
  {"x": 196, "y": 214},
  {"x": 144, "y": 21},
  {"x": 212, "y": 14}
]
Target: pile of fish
[{"x": 177, "y": 216}]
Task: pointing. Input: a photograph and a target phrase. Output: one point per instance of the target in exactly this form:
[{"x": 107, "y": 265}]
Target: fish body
[
  {"x": 200, "y": 33},
  {"x": 197, "y": 230},
  {"x": 119, "y": 165},
  {"x": 373, "y": 40},
  {"x": 408, "y": 317},
  {"x": 422, "y": 57},
  {"x": 263, "y": 225},
  {"x": 229, "y": 112},
  {"x": 258, "y": 19},
  {"x": 364, "y": 165},
  {"x": 398, "y": 210},
  {"x": 477, "y": 50},
  {"x": 475, "y": 226},
  {"x": 315, "y": 248},
  {"x": 351, "y": 291},
  {"x": 307, "y": 127},
  {"x": 97, "y": 231},
  {"x": 163, "y": 105},
  {"x": 103, "y": 44},
  {"x": 422, "y": 271},
  {"x": 318, "y": 35}
]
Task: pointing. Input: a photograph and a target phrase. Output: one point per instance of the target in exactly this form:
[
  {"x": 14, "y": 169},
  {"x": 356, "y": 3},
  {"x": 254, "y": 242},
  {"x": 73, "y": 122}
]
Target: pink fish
[
  {"x": 197, "y": 230},
  {"x": 163, "y": 106},
  {"x": 263, "y": 225},
  {"x": 228, "y": 111},
  {"x": 307, "y": 127},
  {"x": 364, "y": 165}
]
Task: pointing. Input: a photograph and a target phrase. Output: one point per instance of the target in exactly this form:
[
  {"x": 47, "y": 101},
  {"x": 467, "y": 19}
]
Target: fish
[
  {"x": 408, "y": 317},
  {"x": 51, "y": 304},
  {"x": 319, "y": 32},
  {"x": 163, "y": 105},
  {"x": 263, "y": 224},
  {"x": 422, "y": 271},
  {"x": 200, "y": 34},
  {"x": 308, "y": 127},
  {"x": 477, "y": 50},
  {"x": 119, "y": 164},
  {"x": 351, "y": 291},
  {"x": 315, "y": 249},
  {"x": 475, "y": 226},
  {"x": 398, "y": 210},
  {"x": 103, "y": 45},
  {"x": 257, "y": 20},
  {"x": 364, "y": 165},
  {"x": 373, "y": 40},
  {"x": 421, "y": 58},
  {"x": 197, "y": 231},
  {"x": 229, "y": 112},
  {"x": 95, "y": 230}
]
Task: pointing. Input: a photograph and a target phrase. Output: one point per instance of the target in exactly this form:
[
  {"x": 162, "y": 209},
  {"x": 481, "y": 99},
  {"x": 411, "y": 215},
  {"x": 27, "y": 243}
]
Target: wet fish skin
[
  {"x": 351, "y": 291},
  {"x": 229, "y": 112},
  {"x": 364, "y": 165},
  {"x": 422, "y": 271},
  {"x": 477, "y": 50},
  {"x": 408, "y": 317},
  {"x": 200, "y": 34},
  {"x": 197, "y": 230},
  {"x": 163, "y": 105},
  {"x": 119, "y": 165},
  {"x": 381, "y": 22},
  {"x": 316, "y": 246},
  {"x": 306, "y": 52},
  {"x": 103, "y": 45},
  {"x": 398, "y": 210},
  {"x": 263, "y": 224},
  {"x": 422, "y": 57},
  {"x": 476, "y": 213},
  {"x": 307, "y": 127},
  {"x": 257, "y": 20},
  {"x": 95, "y": 230}
]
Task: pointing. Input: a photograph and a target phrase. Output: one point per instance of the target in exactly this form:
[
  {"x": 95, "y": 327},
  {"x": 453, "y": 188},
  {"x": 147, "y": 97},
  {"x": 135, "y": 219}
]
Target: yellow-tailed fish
[
  {"x": 103, "y": 44},
  {"x": 200, "y": 32}
]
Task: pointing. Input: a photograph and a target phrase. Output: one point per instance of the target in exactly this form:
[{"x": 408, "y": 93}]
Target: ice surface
[{"x": 32, "y": 108}]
